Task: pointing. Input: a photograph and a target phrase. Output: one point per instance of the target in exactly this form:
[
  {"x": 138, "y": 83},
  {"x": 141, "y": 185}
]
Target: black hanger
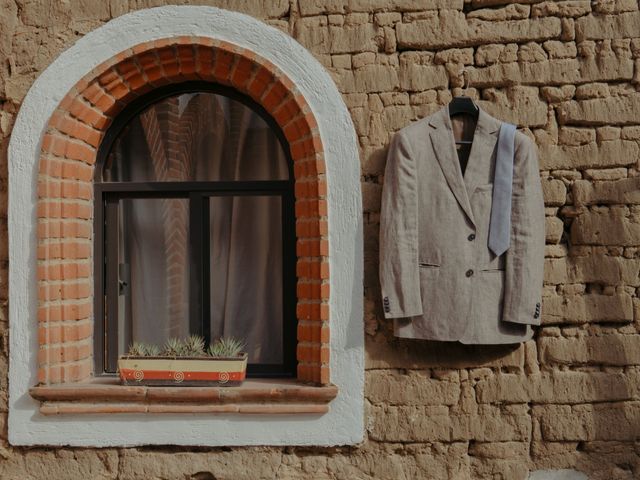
[{"x": 463, "y": 105}]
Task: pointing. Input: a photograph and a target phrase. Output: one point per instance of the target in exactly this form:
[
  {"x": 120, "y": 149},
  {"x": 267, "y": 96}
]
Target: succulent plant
[
  {"x": 174, "y": 347},
  {"x": 137, "y": 349},
  {"x": 152, "y": 350},
  {"x": 194, "y": 346},
  {"x": 226, "y": 347}
]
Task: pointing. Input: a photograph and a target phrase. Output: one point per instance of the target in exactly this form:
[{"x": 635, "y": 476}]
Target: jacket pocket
[
  {"x": 484, "y": 188},
  {"x": 428, "y": 265}
]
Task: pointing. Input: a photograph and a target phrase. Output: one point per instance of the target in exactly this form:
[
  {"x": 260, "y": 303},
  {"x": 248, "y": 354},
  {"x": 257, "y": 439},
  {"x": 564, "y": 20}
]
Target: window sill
[{"x": 255, "y": 396}]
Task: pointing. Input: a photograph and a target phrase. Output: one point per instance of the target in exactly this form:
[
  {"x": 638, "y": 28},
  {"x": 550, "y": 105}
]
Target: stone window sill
[{"x": 255, "y": 396}]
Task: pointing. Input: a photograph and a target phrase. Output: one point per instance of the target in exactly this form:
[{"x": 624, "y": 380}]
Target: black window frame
[{"x": 108, "y": 194}]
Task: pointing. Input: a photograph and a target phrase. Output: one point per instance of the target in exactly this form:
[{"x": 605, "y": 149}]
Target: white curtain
[{"x": 202, "y": 137}]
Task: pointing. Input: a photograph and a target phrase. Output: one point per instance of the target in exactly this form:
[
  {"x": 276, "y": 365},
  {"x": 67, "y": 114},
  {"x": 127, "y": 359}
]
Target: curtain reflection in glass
[
  {"x": 201, "y": 137},
  {"x": 153, "y": 255},
  {"x": 246, "y": 273}
]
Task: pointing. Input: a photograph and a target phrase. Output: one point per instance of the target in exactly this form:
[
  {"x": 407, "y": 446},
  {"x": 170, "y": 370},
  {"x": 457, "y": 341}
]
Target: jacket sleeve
[
  {"x": 525, "y": 256},
  {"x": 399, "y": 273}
]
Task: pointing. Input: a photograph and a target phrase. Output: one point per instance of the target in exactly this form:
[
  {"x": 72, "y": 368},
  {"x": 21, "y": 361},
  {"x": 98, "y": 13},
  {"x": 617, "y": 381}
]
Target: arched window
[{"x": 195, "y": 227}]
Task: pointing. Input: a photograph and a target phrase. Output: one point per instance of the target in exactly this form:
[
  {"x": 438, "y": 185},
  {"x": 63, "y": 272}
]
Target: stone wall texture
[{"x": 568, "y": 73}]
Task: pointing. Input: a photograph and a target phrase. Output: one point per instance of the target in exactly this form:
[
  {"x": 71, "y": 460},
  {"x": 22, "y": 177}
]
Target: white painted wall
[{"x": 345, "y": 422}]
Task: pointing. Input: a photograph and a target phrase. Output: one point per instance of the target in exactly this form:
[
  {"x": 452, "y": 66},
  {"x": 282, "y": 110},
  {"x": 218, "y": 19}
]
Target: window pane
[
  {"x": 153, "y": 271},
  {"x": 246, "y": 273},
  {"x": 196, "y": 137}
]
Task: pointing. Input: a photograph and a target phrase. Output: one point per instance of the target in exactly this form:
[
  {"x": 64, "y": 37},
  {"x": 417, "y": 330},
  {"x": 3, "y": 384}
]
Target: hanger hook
[{"x": 465, "y": 79}]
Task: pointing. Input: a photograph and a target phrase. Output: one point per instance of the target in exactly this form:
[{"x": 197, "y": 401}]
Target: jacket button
[
  {"x": 469, "y": 273},
  {"x": 471, "y": 237}
]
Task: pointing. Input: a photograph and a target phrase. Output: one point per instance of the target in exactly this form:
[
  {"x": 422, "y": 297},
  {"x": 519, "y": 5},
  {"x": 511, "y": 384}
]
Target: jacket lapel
[
  {"x": 480, "y": 157},
  {"x": 480, "y": 165}
]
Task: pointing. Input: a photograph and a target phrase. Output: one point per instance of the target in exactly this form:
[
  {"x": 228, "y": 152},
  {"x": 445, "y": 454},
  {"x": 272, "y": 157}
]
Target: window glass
[
  {"x": 246, "y": 273},
  {"x": 197, "y": 224},
  {"x": 153, "y": 270},
  {"x": 196, "y": 137}
]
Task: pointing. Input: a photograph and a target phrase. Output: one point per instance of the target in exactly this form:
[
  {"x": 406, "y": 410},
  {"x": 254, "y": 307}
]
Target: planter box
[{"x": 170, "y": 371}]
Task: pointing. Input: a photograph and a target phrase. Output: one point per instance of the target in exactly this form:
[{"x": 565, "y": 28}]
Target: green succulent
[
  {"x": 137, "y": 349},
  {"x": 174, "y": 347},
  {"x": 152, "y": 350},
  {"x": 226, "y": 347},
  {"x": 194, "y": 346}
]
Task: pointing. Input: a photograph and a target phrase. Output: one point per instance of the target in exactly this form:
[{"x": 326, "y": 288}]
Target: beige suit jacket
[{"x": 439, "y": 279}]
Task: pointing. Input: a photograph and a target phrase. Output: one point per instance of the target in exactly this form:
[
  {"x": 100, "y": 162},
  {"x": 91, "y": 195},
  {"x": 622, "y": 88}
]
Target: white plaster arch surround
[{"x": 344, "y": 424}]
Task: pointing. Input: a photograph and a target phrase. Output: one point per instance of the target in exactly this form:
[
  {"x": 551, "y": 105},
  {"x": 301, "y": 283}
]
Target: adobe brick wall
[{"x": 567, "y": 72}]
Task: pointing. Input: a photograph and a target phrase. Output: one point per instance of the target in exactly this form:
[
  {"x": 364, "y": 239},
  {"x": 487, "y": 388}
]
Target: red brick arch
[{"x": 65, "y": 192}]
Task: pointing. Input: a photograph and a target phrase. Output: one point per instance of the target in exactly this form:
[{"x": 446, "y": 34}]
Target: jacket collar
[{"x": 480, "y": 157}]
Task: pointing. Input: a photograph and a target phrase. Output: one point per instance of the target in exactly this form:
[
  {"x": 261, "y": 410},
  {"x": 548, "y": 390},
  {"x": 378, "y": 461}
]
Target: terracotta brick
[
  {"x": 309, "y": 331},
  {"x": 302, "y": 148},
  {"x": 85, "y": 330},
  {"x": 303, "y": 352},
  {"x": 187, "y": 61},
  {"x": 64, "y": 209},
  {"x": 150, "y": 64},
  {"x": 54, "y": 143},
  {"x": 114, "y": 85},
  {"x": 77, "y": 171},
  {"x": 64, "y": 229},
  {"x": 65, "y": 189},
  {"x": 324, "y": 311},
  {"x": 325, "y": 291},
  {"x": 324, "y": 354},
  {"x": 79, "y": 151},
  {"x": 303, "y": 372},
  {"x": 205, "y": 58},
  {"x": 169, "y": 63},
  {"x": 297, "y": 129},
  {"x": 98, "y": 97},
  {"x": 275, "y": 95},
  {"x": 127, "y": 68},
  {"x": 71, "y": 250},
  {"x": 224, "y": 62},
  {"x": 289, "y": 110},
  {"x": 74, "y": 128},
  {"x": 49, "y": 334},
  {"x": 303, "y": 332},
  {"x": 90, "y": 117},
  {"x": 64, "y": 271},
  {"x": 311, "y": 208},
  {"x": 64, "y": 353},
  {"x": 64, "y": 291},
  {"x": 242, "y": 73},
  {"x": 325, "y": 377},
  {"x": 84, "y": 408},
  {"x": 261, "y": 81},
  {"x": 163, "y": 43},
  {"x": 324, "y": 334},
  {"x": 65, "y": 312},
  {"x": 311, "y": 228}
]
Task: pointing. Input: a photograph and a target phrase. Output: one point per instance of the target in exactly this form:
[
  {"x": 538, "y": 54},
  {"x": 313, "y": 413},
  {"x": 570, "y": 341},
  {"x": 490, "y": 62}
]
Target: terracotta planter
[{"x": 171, "y": 371}]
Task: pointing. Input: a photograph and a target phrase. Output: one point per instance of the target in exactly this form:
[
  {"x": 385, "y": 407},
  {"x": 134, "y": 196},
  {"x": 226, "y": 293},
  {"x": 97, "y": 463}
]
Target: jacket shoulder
[
  {"x": 414, "y": 132},
  {"x": 523, "y": 144}
]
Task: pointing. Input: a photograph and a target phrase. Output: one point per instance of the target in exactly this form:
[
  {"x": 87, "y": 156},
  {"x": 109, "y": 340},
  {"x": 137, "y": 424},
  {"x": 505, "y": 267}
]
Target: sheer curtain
[{"x": 201, "y": 137}]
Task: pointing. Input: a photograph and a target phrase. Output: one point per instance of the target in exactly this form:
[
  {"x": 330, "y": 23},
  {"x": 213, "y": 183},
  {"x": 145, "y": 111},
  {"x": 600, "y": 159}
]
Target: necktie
[{"x": 500, "y": 223}]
